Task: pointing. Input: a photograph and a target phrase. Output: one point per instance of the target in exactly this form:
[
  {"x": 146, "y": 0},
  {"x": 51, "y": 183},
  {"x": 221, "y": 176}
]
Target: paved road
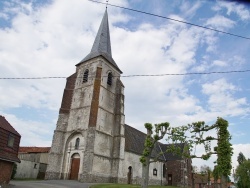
[{"x": 48, "y": 184}]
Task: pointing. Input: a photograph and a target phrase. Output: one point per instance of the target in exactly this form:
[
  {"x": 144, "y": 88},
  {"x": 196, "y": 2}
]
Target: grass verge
[{"x": 126, "y": 186}]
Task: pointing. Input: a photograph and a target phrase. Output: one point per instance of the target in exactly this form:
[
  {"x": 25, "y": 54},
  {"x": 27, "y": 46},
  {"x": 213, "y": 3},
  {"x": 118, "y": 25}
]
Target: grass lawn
[{"x": 126, "y": 186}]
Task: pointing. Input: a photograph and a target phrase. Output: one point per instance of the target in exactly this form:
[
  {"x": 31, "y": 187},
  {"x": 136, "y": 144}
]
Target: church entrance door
[{"x": 75, "y": 163}]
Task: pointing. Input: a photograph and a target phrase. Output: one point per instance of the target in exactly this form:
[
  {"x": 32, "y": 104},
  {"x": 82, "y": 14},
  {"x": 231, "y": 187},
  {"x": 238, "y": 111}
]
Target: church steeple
[{"x": 102, "y": 44}]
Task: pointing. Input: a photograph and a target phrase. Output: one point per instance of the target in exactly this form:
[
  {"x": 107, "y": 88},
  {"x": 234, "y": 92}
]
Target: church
[{"x": 91, "y": 142}]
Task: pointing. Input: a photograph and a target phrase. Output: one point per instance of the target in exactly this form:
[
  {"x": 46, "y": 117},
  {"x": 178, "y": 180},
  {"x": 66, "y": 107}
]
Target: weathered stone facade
[{"x": 96, "y": 118}]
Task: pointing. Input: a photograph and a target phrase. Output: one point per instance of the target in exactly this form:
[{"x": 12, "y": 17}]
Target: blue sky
[{"x": 48, "y": 38}]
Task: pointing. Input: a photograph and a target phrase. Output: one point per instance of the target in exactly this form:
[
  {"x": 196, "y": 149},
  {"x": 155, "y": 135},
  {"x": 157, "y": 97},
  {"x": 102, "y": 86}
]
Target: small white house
[{"x": 34, "y": 162}]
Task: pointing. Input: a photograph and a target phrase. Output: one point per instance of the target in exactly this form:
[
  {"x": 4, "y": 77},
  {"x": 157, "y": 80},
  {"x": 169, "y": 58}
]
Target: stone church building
[{"x": 91, "y": 142}]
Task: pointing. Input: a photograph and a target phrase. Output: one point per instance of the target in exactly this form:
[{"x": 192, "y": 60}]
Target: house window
[
  {"x": 85, "y": 76},
  {"x": 35, "y": 165},
  {"x": 11, "y": 140},
  {"x": 77, "y": 143},
  {"x": 110, "y": 77}
]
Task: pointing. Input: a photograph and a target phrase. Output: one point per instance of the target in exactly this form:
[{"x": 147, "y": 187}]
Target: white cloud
[
  {"x": 219, "y": 63},
  {"x": 221, "y": 98},
  {"x": 4, "y": 16},
  {"x": 233, "y": 7},
  {"x": 220, "y": 22},
  {"x": 189, "y": 8}
]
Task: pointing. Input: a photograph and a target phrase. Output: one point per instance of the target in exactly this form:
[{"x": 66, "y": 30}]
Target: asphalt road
[{"x": 48, "y": 183}]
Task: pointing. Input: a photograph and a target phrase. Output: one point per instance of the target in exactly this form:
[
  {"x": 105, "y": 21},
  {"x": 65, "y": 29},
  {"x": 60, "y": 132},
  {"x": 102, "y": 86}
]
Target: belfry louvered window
[
  {"x": 77, "y": 143},
  {"x": 110, "y": 77},
  {"x": 85, "y": 76}
]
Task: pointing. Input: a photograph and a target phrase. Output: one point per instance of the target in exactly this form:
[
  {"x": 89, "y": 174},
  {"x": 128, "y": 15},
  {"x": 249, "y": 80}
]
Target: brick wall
[{"x": 5, "y": 172}]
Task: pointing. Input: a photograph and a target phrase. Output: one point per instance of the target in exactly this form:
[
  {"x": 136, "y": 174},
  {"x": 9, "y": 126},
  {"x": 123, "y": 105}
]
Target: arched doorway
[
  {"x": 75, "y": 164},
  {"x": 130, "y": 175}
]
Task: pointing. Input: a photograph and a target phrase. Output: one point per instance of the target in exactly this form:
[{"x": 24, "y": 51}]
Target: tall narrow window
[
  {"x": 77, "y": 143},
  {"x": 164, "y": 170},
  {"x": 85, "y": 76},
  {"x": 130, "y": 175},
  {"x": 110, "y": 77}
]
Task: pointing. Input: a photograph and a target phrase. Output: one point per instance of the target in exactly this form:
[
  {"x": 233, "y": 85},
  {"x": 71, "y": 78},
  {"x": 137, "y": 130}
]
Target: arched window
[
  {"x": 110, "y": 77},
  {"x": 77, "y": 143},
  {"x": 85, "y": 76},
  {"x": 130, "y": 175}
]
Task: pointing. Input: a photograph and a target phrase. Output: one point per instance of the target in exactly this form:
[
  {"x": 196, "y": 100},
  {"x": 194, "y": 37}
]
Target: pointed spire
[
  {"x": 102, "y": 44},
  {"x": 102, "y": 40}
]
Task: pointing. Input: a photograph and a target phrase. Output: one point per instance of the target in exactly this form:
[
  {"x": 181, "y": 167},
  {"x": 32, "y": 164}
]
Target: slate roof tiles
[{"x": 134, "y": 143}]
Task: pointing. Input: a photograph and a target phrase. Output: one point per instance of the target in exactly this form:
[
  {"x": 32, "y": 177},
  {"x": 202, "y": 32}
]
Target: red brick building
[{"x": 9, "y": 145}]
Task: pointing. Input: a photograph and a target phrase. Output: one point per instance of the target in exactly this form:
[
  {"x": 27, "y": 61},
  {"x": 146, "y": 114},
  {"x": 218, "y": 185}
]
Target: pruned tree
[
  {"x": 153, "y": 136},
  {"x": 191, "y": 135}
]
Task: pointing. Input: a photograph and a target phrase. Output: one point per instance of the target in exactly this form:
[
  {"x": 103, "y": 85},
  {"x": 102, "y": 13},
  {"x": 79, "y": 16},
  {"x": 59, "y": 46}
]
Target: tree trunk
[
  {"x": 145, "y": 174},
  {"x": 223, "y": 182}
]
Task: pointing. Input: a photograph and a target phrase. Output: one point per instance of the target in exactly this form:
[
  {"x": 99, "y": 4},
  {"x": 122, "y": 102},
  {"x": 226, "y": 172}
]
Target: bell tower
[{"x": 88, "y": 142}]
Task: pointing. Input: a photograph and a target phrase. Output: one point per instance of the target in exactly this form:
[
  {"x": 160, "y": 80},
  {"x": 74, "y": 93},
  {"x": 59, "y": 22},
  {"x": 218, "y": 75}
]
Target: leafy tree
[
  {"x": 241, "y": 158},
  {"x": 242, "y": 173}
]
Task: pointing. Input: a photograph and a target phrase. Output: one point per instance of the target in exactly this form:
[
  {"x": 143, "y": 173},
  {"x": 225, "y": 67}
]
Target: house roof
[
  {"x": 102, "y": 44},
  {"x": 134, "y": 142},
  {"x": 4, "y": 124},
  {"x": 33, "y": 149}
]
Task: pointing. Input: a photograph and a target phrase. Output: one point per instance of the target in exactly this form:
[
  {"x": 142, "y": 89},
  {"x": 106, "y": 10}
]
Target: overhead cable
[
  {"x": 133, "y": 75},
  {"x": 172, "y": 19}
]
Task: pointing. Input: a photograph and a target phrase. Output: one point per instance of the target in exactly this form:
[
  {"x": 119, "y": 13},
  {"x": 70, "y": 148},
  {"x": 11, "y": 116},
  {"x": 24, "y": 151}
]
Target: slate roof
[
  {"x": 34, "y": 150},
  {"x": 170, "y": 156},
  {"x": 102, "y": 44},
  {"x": 4, "y": 124},
  {"x": 134, "y": 143}
]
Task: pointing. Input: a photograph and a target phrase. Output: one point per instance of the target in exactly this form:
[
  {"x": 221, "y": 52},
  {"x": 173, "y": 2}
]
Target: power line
[
  {"x": 133, "y": 75},
  {"x": 156, "y": 15}
]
